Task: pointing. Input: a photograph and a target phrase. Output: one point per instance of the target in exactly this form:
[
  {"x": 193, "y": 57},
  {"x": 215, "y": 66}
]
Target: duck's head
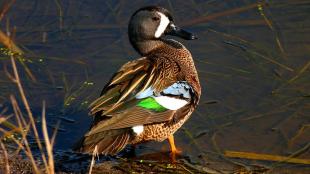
[{"x": 151, "y": 23}]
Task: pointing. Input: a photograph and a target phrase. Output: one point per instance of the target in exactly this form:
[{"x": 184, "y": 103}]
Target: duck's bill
[{"x": 176, "y": 31}]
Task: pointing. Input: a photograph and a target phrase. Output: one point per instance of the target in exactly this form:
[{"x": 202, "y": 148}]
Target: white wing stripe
[{"x": 170, "y": 103}]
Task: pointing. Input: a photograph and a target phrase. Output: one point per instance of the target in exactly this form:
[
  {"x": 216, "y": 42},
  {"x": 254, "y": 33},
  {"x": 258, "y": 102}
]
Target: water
[{"x": 252, "y": 63}]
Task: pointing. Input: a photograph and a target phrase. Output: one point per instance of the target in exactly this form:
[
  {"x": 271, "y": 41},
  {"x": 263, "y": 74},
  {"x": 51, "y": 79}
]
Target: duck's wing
[
  {"x": 132, "y": 77},
  {"x": 137, "y": 95}
]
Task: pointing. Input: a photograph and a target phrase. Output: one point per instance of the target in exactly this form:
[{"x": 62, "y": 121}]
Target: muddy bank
[
  {"x": 16, "y": 164},
  {"x": 77, "y": 163}
]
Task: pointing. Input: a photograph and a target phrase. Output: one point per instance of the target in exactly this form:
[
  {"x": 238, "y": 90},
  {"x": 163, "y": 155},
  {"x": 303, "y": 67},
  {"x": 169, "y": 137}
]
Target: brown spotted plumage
[{"x": 126, "y": 112}]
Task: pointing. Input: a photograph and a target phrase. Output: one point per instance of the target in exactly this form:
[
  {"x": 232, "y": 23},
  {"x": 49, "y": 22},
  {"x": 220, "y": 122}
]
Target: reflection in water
[{"x": 252, "y": 60}]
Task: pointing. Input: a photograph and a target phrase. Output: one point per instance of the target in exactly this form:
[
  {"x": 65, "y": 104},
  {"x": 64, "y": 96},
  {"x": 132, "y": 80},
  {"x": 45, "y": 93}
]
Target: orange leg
[{"x": 174, "y": 150}]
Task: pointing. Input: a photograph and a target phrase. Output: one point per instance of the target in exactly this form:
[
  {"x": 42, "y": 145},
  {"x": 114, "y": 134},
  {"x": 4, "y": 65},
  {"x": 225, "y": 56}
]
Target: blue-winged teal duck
[{"x": 148, "y": 98}]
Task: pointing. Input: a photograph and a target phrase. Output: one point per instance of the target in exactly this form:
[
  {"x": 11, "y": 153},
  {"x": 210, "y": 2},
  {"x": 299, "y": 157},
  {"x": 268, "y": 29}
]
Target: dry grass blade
[
  {"x": 27, "y": 106},
  {"x": 297, "y": 153},
  {"x": 7, "y": 42},
  {"x": 24, "y": 127},
  {"x": 54, "y": 134},
  {"x": 3, "y": 119},
  {"x": 6, "y": 158},
  {"x": 267, "y": 157},
  {"x": 9, "y": 133},
  {"x": 95, "y": 153},
  {"x": 49, "y": 148},
  {"x": 7, "y": 124}
]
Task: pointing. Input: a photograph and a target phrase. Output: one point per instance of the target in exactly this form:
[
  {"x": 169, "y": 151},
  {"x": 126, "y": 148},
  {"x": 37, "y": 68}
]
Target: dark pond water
[{"x": 253, "y": 61}]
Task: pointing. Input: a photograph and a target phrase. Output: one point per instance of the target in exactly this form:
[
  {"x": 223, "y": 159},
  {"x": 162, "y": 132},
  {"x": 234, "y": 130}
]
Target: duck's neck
[{"x": 147, "y": 46}]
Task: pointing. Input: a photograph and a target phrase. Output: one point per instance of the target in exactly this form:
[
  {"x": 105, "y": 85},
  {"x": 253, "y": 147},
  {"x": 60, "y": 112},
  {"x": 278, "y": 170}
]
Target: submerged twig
[
  {"x": 298, "y": 134},
  {"x": 6, "y": 8},
  {"x": 221, "y": 14},
  {"x": 60, "y": 12},
  {"x": 220, "y": 153},
  {"x": 271, "y": 60},
  {"x": 300, "y": 72},
  {"x": 272, "y": 28}
]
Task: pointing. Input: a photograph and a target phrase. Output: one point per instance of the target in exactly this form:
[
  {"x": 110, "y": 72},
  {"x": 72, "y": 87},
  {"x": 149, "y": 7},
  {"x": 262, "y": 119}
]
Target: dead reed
[{"x": 25, "y": 127}]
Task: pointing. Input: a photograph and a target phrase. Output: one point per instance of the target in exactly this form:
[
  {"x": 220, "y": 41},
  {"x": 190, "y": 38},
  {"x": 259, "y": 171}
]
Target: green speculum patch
[{"x": 151, "y": 104}]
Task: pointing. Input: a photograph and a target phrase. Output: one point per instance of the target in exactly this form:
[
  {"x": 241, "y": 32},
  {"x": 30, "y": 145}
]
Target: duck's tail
[{"x": 108, "y": 142}]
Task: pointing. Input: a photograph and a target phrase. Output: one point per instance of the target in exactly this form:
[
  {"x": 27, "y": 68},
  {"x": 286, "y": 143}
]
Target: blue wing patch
[{"x": 180, "y": 88}]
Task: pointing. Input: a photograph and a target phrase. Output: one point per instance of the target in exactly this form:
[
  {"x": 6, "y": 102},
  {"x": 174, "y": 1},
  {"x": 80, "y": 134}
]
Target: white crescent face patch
[{"x": 164, "y": 21}]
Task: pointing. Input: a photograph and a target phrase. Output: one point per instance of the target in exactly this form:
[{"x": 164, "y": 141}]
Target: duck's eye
[{"x": 155, "y": 18}]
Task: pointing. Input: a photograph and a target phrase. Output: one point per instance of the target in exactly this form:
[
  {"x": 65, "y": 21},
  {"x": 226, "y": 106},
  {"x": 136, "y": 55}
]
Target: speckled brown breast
[{"x": 175, "y": 63}]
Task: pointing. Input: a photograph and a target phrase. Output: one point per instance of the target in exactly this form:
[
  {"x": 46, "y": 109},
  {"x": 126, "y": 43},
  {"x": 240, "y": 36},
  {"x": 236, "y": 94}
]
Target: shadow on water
[{"x": 252, "y": 58}]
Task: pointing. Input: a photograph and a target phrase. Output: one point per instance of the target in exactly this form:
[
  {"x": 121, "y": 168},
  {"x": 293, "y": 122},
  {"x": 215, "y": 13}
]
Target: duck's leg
[{"x": 174, "y": 150}]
